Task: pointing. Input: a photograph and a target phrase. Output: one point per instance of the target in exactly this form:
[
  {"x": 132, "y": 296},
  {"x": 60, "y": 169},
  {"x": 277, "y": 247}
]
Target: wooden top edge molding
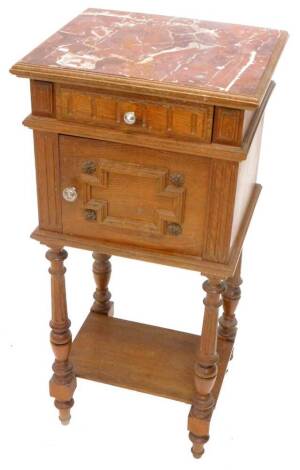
[
  {"x": 202, "y": 61},
  {"x": 134, "y": 86}
]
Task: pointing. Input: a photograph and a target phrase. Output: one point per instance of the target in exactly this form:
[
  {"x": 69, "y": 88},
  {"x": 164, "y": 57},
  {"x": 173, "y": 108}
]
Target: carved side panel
[
  {"x": 157, "y": 119},
  {"x": 42, "y": 98},
  {"x": 198, "y": 124},
  {"x": 228, "y": 126},
  {"x": 222, "y": 190},
  {"x": 162, "y": 119},
  {"x": 48, "y": 180},
  {"x": 104, "y": 110}
]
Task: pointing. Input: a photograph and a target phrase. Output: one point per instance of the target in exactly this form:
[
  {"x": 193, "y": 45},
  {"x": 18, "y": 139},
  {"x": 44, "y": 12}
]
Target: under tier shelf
[{"x": 141, "y": 357}]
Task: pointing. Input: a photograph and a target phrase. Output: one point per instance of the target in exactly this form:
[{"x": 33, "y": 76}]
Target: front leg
[
  {"x": 63, "y": 381},
  {"x": 206, "y": 368}
]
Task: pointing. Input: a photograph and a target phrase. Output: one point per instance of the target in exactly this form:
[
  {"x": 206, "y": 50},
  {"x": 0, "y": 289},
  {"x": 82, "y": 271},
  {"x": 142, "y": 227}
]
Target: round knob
[
  {"x": 130, "y": 118},
  {"x": 70, "y": 194}
]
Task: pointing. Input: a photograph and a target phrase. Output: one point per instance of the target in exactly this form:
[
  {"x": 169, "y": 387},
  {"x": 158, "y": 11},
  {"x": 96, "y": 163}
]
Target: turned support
[
  {"x": 231, "y": 296},
  {"x": 102, "y": 273},
  {"x": 206, "y": 368},
  {"x": 63, "y": 381}
]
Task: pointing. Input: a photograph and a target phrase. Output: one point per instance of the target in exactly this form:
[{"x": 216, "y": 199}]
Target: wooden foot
[
  {"x": 102, "y": 296},
  {"x": 64, "y": 411},
  {"x": 63, "y": 381},
  {"x": 198, "y": 445},
  {"x": 231, "y": 296},
  {"x": 206, "y": 368}
]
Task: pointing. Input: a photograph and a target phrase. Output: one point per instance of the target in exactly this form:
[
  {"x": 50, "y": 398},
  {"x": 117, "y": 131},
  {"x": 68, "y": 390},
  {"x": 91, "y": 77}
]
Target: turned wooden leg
[
  {"x": 206, "y": 368},
  {"x": 63, "y": 381},
  {"x": 102, "y": 272},
  {"x": 231, "y": 296}
]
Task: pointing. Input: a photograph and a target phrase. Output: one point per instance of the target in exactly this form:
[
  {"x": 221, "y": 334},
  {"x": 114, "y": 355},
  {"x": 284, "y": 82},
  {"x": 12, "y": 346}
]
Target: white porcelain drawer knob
[
  {"x": 130, "y": 118},
  {"x": 70, "y": 194}
]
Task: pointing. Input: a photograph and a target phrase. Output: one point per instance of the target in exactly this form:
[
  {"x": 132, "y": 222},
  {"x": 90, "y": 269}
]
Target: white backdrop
[{"x": 256, "y": 421}]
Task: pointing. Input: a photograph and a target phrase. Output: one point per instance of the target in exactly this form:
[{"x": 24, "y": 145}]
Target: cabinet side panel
[
  {"x": 248, "y": 116},
  {"x": 48, "y": 180},
  {"x": 223, "y": 179},
  {"x": 245, "y": 183}
]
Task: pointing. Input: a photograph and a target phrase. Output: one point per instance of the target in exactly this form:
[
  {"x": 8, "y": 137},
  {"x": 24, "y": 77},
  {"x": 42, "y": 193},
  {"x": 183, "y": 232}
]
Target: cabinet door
[{"x": 133, "y": 195}]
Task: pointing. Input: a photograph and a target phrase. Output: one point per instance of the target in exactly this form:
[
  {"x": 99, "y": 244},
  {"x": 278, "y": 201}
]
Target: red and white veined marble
[{"x": 202, "y": 54}]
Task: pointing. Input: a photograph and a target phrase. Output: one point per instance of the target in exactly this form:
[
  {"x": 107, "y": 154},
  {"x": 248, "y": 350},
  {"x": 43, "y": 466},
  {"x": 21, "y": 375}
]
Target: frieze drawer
[{"x": 133, "y": 115}]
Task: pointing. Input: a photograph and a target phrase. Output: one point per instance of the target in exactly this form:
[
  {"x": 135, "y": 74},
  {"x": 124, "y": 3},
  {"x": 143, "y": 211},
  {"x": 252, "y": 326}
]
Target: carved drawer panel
[
  {"x": 162, "y": 119},
  {"x": 133, "y": 195}
]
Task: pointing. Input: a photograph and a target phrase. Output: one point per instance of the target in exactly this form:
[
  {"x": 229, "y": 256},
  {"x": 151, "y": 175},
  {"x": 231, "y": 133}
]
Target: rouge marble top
[{"x": 201, "y": 55}]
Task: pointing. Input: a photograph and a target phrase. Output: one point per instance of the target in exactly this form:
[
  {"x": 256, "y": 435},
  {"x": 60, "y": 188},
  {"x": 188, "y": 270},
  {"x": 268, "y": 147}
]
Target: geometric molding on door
[{"x": 102, "y": 192}]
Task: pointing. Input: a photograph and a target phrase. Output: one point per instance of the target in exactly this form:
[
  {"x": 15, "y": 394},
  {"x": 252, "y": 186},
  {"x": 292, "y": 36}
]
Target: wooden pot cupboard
[{"x": 147, "y": 134}]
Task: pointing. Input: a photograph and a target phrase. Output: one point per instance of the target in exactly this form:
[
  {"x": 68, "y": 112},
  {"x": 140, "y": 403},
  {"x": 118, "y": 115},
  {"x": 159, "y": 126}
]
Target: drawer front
[
  {"x": 133, "y": 195},
  {"x": 164, "y": 120}
]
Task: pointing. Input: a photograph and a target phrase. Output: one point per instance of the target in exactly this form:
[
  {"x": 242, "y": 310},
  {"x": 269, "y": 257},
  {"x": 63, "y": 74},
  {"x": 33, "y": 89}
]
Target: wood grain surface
[{"x": 141, "y": 357}]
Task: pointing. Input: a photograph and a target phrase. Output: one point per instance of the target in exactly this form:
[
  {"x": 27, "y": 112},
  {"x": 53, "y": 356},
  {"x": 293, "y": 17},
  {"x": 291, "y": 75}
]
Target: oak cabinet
[{"x": 147, "y": 133}]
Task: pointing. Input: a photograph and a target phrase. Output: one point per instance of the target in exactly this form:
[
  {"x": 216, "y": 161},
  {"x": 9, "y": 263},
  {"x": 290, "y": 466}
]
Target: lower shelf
[{"x": 141, "y": 357}]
